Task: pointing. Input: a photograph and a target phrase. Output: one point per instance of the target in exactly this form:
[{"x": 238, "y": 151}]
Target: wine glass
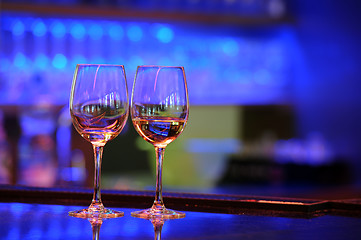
[
  {"x": 99, "y": 110},
  {"x": 159, "y": 110}
]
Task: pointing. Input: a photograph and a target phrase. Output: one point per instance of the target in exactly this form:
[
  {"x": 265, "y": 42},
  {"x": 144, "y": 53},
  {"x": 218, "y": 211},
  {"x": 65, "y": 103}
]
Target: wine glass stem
[
  {"x": 158, "y": 231},
  {"x": 96, "y": 229},
  {"x": 158, "y": 202},
  {"x": 98, "y": 154}
]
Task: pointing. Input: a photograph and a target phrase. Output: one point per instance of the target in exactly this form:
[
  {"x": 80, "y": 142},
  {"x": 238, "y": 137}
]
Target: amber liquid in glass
[{"x": 159, "y": 131}]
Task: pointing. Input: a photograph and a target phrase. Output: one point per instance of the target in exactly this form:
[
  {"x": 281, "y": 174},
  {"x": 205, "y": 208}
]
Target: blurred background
[{"x": 274, "y": 88}]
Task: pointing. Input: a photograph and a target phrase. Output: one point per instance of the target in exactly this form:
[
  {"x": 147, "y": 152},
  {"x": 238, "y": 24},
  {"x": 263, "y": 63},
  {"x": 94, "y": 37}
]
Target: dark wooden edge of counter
[{"x": 214, "y": 203}]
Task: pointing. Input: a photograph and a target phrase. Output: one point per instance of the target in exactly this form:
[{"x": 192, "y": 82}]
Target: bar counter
[{"x": 38, "y": 213}]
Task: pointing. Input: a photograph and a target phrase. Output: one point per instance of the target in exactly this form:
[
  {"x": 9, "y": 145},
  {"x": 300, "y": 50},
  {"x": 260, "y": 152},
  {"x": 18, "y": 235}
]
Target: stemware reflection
[
  {"x": 158, "y": 225},
  {"x": 96, "y": 223}
]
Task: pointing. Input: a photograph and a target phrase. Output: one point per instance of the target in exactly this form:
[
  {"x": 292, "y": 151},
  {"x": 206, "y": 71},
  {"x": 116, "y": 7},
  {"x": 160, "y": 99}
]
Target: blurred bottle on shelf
[{"x": 37, "y": 165}]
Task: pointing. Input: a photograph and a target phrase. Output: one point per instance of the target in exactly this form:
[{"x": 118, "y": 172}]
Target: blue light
[
  {"x": 164, "y": 61},
  {"x": 230, "y": 47},
  {"x": 78, "y": 31},
  {"x": 59, "y": 61},
  {"x": 14, "y": 232},
  {"x": 135, "y": 61},
  {"x": 98, "y": 60},
  {"x": 18, "y": 208},
  {"x": 18, "y": 28},
  {"x": 244, "y": 76},
  {"x": 20, "y": 60},
  {"x": 4, "y": 64},
  {"x": 39, "y": 28},
  {"x": 165, "y": 34},
  {"x": 135, "y": 33},
  {"x": 41, "y": 61},
  {"x": 131, "y": 228},
  {"x": 58, "y": 29},
  {"x": 96, "y": 31},
  {"x": 262, "y": 76},
  {"x": 116, "y": 32},
  {"x": 78, "y": 59},
  {"x": 214, "y": 55},
  {"x": 54, "y": 229},
  {"x": 276, "y": 62},
  {"x": 180, "y": 54}
]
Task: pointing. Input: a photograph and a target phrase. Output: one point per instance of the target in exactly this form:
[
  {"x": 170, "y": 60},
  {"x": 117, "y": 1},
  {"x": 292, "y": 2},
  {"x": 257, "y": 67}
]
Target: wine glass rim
[
  {"x": 100, "y": 64},
  {"x": 158, "y": 66}
]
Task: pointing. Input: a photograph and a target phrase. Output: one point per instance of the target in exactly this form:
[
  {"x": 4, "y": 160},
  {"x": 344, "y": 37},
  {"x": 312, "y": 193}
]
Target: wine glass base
[
  {"x": 152, "y": 213},
  {"x": 90, "y": 213}
]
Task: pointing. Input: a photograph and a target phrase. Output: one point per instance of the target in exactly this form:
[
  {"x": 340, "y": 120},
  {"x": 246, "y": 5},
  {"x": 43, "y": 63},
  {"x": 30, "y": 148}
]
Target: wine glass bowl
[
  {"x": 160, "y": 131},
  {"x": 159, "y": 111},
  {"x": 99, "y": 122},
  {"x": 99, "y": 110}
]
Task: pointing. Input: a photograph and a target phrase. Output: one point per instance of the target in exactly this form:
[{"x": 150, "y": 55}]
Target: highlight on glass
[
  {"x": 159, "y": 111},
  {"x": 99, "y": 110}
]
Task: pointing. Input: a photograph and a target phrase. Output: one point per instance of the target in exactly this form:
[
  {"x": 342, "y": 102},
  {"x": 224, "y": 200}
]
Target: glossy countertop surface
[{"x": 43, "y": 221}]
